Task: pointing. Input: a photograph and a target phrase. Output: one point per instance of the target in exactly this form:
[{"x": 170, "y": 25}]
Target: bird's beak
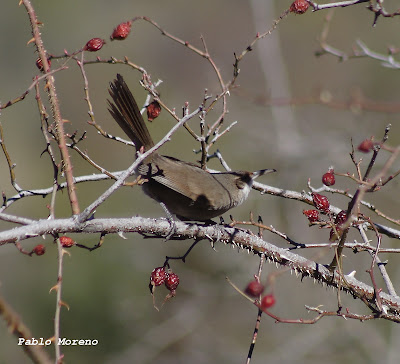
[{"x": 262, "y": 172}]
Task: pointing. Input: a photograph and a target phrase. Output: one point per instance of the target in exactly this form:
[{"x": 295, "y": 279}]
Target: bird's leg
[{"x": 171, "y": 221}]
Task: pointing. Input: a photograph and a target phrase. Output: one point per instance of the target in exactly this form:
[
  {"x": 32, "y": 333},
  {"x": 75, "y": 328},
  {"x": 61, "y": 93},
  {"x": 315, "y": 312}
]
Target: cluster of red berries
[
  {"x": 120, "y": 32},
  {"x": 322, "y": 203},
  {"x": 65, "y": 241},
  {"x": 255, "y": 289},
  {"x": 161, "y": 276},
  {"x": 341, "y": 218}
]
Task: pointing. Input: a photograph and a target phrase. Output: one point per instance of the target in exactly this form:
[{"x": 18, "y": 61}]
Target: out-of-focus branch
[
  {"x": 361, "y": 51},
  {"x": 35, "y": 352}
]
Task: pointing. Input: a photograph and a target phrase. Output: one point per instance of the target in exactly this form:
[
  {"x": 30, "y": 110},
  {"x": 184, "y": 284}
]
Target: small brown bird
[{"x": 183, "y": 188}]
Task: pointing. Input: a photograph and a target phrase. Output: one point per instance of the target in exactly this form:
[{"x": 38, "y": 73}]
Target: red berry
[
  {"x": 254, "y": 288},
  {"x": 320, "y": 202},
  {"x": 312, "y": 215},
  {"x": 366, "y": 145},
  {"x": 94, "y": 45},
  {"x": 39, "y": 249},
  {"x": 267, "y": 301},
  {"x": 39, "y": 63},
  {"x": 328, "y": 179},
  {"x": 172, "y": 281},
  {"x": 299, "y": 6},
  {"x": 158, "y": 276},
  {"x": 341, "y": 217},
  {"x": 66, "y": 241},
  {"x": 121, "y": 31},
  {"x": 153, "y": 110}
]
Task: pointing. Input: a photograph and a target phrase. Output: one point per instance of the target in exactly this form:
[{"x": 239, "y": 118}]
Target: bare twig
[
  {"x": 33, "y": 84},
  {"x": 374, "y": 253},
  {"x": 49, "y": 150},
  {"x": 338, "y": 4},
  {"x": 259, "y": 313},
  {"x": 10, "y": 164},
  {"x": 59, "y": 302}
]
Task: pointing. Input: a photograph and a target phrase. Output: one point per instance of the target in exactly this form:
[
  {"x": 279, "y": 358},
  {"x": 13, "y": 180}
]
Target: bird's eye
[{"x": 240, "y": 184}]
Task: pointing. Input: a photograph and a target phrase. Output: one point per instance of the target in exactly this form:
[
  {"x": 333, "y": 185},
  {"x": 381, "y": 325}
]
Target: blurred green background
[{"x": 107, "y": 290}]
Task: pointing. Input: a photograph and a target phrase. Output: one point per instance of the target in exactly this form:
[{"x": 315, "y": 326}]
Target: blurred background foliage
[{"x": 107, "y": 290}]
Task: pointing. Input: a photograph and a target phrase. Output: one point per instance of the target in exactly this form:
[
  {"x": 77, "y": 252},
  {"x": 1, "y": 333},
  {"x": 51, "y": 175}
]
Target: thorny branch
[
  {"x": 59, "y": 122},
  {"x": 242, "y": 239}
]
